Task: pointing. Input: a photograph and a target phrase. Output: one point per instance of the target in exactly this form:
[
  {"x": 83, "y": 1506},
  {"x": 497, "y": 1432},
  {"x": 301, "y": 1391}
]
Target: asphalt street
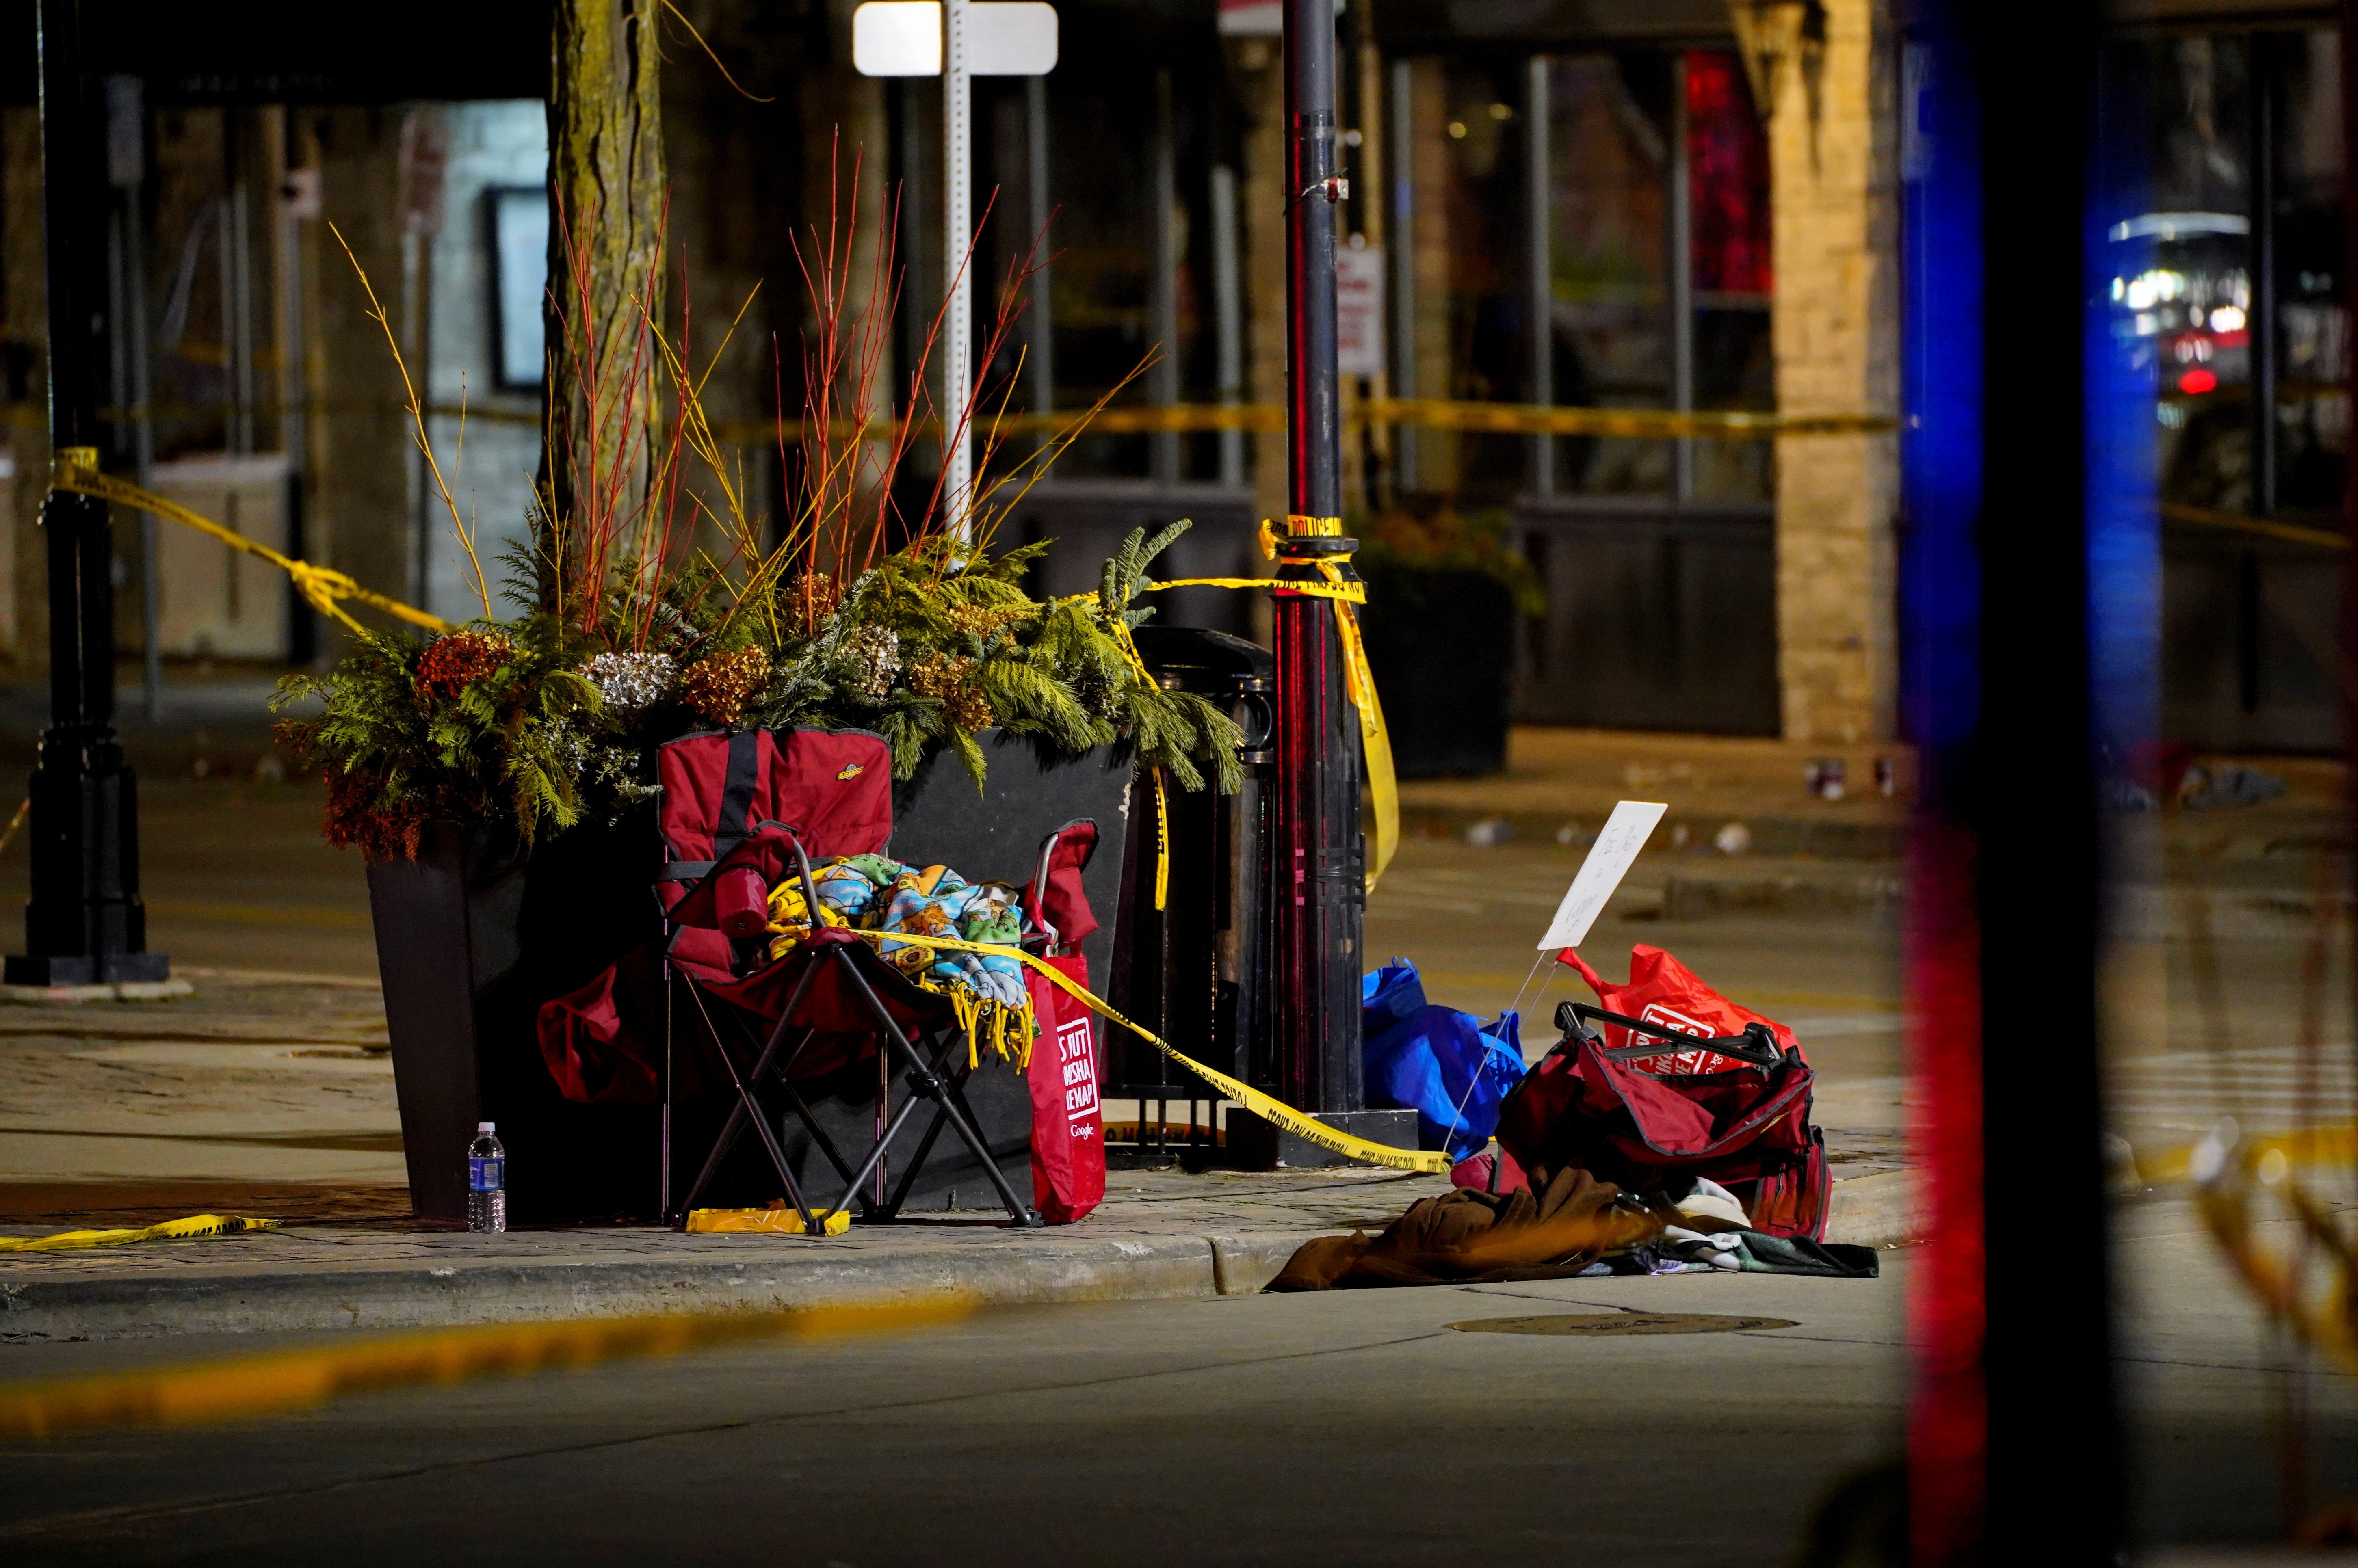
[{"x": 1353, "y": 1427}]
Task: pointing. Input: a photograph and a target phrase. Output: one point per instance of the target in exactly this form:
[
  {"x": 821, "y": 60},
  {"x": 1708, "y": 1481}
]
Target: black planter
[
  {"x": 473, "y": 935},
  {"x": 1441, "y": 647}
]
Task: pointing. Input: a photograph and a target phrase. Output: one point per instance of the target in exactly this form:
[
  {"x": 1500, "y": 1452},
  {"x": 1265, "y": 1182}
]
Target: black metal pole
[
  {"x": 1320, "y": 872},
  {"x": 83, "y": 924},
  {"x": 2051, "y": 688}
]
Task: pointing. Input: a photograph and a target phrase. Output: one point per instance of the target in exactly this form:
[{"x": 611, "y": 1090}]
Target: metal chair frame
[{"x": 926, "y": 1078}]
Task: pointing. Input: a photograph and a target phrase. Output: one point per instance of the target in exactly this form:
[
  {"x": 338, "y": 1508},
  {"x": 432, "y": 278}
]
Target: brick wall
[{"x": 1835, "y": 192}]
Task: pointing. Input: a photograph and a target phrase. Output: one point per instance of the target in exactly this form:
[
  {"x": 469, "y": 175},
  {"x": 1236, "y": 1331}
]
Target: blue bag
[{"x": 1451, "y": 1068}]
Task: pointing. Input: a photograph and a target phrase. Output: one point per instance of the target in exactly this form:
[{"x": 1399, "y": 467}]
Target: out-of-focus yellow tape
[
  {"x": 2320, "y": 1146},
  {"x": 2264, "y": 527},
  {"x": 1434, "y": 414},
  {"x": 258, "y": 1385}
]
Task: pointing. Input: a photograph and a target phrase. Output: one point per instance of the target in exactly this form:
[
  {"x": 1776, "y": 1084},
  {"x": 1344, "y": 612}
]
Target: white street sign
[
  {"x": 897, "y": 38},
  {"x": 1003, "y": 37},
  {"x": 1624, "y": 834},
  {"x": 1011, "y": 37}
]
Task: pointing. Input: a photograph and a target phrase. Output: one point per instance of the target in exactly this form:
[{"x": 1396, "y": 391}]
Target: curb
[
  {"x": 423, "y": 1296},
  {"x": 1869, "y": 1211},
  {"x": 1771, "y": 833},
  {"x": 113, "y": 990}
]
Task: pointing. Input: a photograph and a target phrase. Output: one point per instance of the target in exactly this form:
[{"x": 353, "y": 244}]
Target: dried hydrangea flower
[
  {"x": 813, "y": 597},
  {"x": 718, "y": 687},
  {"x": 952, "y": 680},
  {"x": 630, "y": 683},
  {"x": 874, "y": 653}
]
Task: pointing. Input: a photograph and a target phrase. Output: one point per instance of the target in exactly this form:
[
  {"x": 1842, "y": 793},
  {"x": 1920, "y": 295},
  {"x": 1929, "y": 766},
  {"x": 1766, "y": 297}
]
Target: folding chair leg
[
  {"x": 735, "y": 1126},
  {"x": 747, "y": 1106},
  {"x": 928, "y": 1082}
]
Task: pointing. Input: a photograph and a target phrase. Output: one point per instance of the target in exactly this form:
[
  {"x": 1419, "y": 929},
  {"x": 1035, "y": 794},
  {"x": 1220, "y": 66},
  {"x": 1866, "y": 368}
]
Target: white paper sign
[{"x": 1624, "y": 834}]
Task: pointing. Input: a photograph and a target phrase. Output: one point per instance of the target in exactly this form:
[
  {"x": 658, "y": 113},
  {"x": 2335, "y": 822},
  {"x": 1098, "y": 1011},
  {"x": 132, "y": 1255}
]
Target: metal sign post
[
  {"x": 83, "y": 924},
  {"x": 957, "y": 41},
  {"x": 957, "y": 270}
]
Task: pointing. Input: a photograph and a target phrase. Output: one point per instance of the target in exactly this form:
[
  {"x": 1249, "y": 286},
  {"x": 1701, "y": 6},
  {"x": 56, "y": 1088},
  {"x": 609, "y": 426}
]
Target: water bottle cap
[{"x": 482, "y": 1127}]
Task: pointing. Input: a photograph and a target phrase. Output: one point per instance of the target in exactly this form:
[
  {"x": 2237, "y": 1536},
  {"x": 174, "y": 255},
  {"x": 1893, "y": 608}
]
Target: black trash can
[{"x": 1187, "y": 971}]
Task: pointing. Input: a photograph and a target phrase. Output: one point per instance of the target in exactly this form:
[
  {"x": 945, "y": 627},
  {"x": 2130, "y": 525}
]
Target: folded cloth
[
  {"x": 1551, "y": 1230},
  {"x": 1720, "y": 1249},
  {"x": 1765, "y": 1254}
]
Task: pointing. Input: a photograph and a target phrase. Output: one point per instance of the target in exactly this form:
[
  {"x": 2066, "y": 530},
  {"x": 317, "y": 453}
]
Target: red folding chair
[
  {"x": 830, "y": 984},
  {"x": 741, "y": 813}
]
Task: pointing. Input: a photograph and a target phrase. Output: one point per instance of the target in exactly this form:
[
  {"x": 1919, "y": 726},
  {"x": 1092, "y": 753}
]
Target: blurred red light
[{"x": 2197, "y": 381}]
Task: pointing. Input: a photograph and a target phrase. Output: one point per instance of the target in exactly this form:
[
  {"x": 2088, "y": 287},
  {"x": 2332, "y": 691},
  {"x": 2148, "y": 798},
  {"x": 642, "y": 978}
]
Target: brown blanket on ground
[{"x": 1551, "y": 1230}]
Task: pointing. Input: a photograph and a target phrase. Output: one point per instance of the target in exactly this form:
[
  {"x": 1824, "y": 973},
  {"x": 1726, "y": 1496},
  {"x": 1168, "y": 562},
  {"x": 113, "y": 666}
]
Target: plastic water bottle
[{"x": 487, "y": 1182}]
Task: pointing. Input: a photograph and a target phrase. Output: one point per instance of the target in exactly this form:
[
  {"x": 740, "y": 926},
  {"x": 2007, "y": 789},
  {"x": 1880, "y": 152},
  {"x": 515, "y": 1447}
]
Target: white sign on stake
[{"x": 1618, "y": 843}]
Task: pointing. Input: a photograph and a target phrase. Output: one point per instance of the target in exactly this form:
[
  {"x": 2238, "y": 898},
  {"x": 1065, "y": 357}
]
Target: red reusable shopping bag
[
  {"x": 1663, "y": 990},
  {"x": 1068, "y": 1163}
]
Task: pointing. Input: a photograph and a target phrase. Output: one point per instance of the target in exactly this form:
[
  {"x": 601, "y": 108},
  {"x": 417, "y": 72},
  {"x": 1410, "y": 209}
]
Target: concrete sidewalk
[
  {"x": 1160, "y": 1234},
  {"x": 271, "y": 1094}
]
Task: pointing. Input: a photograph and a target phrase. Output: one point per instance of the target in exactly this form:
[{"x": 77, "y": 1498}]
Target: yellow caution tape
[
  {"x": 1428, "y": 412},
  {"x": 170, "y": 1230},
  {"x": 1446, "y": 414},
  {"x": 2264, "y": 527},
  {"x": 1263, "y": 1106},
  {"x": 764, "y": 1221},
  {"x": 1646, "y": 424},
  {"x": 258, "y": 1385},
  {"x": 1162, "y": 844},
  {"x": 1358, "y": 679},
  {"x": 76, "y": 472},
  {"x": 1431, "y": 413}
]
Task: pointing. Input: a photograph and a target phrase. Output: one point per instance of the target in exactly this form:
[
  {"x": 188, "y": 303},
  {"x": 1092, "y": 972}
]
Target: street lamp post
[
  {"x": 83, "y": 924},
  {"x": 1319, "y": 873}
]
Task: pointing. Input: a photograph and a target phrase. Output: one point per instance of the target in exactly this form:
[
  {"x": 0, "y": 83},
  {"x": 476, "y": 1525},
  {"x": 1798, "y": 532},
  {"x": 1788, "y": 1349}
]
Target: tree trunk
[{"x": 605, "y": 256}]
